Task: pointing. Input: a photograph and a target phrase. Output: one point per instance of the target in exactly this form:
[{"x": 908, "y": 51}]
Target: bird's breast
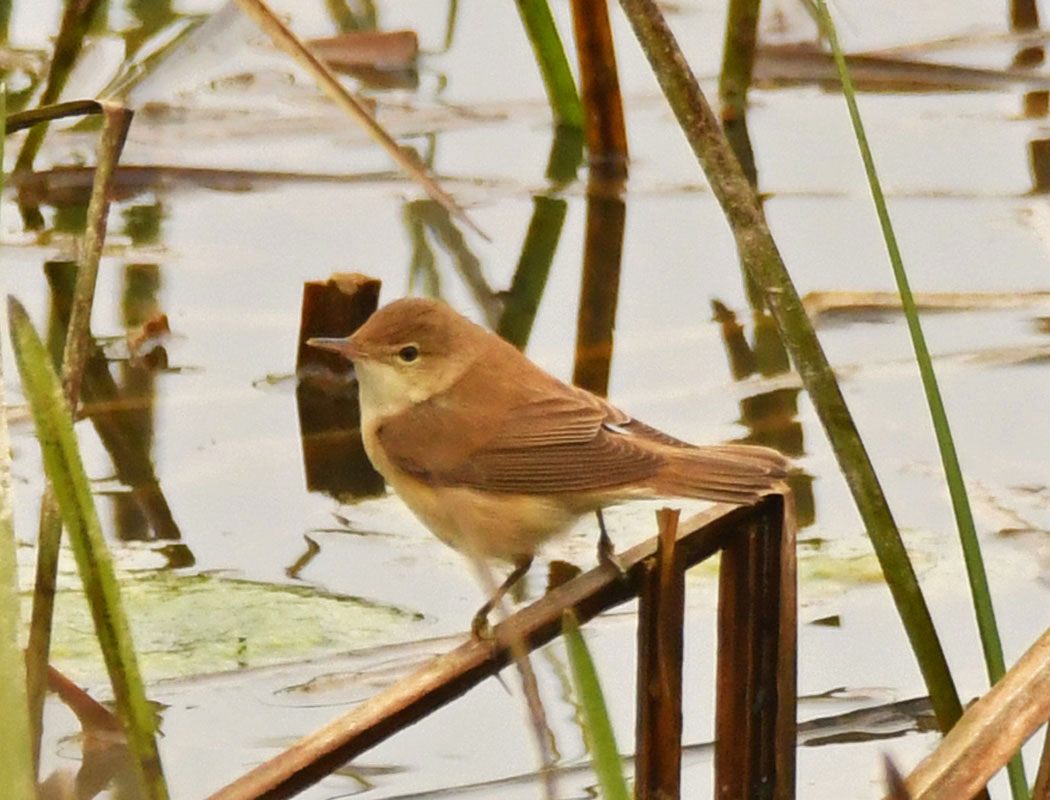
[{"x": 480, "y": 523}]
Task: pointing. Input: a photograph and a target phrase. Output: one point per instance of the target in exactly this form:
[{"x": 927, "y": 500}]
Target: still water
[{"x": 251, "y": 576}]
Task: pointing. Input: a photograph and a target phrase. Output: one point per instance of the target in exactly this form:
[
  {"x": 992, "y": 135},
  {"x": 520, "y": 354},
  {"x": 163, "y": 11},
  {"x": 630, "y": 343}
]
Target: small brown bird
[{"x": 495, "y": 456}]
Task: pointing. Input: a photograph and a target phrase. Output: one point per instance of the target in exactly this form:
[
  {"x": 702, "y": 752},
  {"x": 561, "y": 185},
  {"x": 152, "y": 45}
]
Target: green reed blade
[
  {"x": 975, "y": 570},
  {"x": 115, "y": 123},
  {"x": 64, "y": 469},
  {"x": 553, "y": 64},
  {"x": 16, "y": 751},
  {"x": 597, "y": 729}
]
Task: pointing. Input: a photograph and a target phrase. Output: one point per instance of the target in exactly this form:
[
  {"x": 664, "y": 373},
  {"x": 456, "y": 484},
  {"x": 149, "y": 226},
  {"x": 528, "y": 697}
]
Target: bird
[{"x": 495, "y": 456}]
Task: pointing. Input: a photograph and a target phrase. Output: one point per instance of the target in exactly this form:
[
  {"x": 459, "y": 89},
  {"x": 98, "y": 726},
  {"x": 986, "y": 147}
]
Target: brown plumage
[
  {"x": 495, "y": 455},
  {"x": 513, "y": 428}
]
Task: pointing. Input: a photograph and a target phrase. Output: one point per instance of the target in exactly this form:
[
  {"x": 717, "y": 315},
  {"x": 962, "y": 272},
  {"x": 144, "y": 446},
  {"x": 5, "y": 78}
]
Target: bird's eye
[{"x": 408, "y": 353}]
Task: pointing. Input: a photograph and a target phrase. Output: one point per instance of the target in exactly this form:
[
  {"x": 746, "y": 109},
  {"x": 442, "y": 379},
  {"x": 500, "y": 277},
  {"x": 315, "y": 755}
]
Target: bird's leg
[
  {"x": 606, "y": 549},
  {"x": 479, "y": 626}
]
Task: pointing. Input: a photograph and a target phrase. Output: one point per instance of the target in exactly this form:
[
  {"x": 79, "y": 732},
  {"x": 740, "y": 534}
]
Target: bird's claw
[
  {"x": 607, "y": 555},
  {"x": 480, "y": 627},
  {"x": 607, "y": 551}
]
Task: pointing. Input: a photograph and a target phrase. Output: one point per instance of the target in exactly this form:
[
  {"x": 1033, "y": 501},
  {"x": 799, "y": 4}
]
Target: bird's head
[{"x": 408, "y": 351}]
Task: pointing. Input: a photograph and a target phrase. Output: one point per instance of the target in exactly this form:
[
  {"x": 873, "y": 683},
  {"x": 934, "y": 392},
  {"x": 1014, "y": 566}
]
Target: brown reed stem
[
  {"x": 603, "y": 122},
  {"x": 658, "y": 715}
]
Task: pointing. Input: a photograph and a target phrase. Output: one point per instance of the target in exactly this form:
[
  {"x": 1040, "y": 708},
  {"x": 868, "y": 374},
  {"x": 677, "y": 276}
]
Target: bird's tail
[{"x": 730, "y": 473}]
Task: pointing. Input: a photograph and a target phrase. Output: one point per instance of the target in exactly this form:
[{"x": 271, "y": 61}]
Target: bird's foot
[
  {"x": 607, "y": 555},
  {"x": 480, "y": 627},
  {"x": 606, "y": 550}
]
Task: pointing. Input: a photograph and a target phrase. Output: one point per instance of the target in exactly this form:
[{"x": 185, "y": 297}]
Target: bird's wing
[{"x": 558, "y": 440}]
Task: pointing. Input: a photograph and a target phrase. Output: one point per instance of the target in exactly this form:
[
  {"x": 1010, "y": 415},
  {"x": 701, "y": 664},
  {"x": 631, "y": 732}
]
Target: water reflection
[
  {"x": 522, "y": 300},
  {"x": 152, "y": 17},
  {"x": 771, "y": 417},
  {"x": 327, "y": 403},
  {"x": 334, "y": 459},
  {"x": 106, "y": 766},
  {"x": 347, "y": 19},
  {"x": 1024, "y": 16},
  {"x": 600, "y": 286},
  {"x": 22, "y": 73},
  {"x": 122, "y": 412},
  {"x": 428, "y": 216}
]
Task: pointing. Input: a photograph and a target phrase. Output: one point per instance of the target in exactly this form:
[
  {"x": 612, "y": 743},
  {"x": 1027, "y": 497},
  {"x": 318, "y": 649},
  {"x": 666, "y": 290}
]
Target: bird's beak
[{"x": 344, "y": 347}]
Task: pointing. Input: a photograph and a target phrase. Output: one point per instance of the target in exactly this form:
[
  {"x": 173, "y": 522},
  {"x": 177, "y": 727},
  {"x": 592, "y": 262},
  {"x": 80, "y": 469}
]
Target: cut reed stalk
[{"x": 658, "y": 714}]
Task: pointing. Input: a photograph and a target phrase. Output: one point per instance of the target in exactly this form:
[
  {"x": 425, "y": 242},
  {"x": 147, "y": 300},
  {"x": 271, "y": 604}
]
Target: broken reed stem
[
  {"x": 287, "y": 41},
  {"x": 756, "y": 660},
  {"x": 115, "y": 124},
  {"x": 991, "y": 731},
  {"x": 34, "y": 116},
  {"x": 764, "y": 265},
  {"x": 658, "y": 713},
  {"x": 76, "y": 20},
  {"x": 603, "y": 122}
]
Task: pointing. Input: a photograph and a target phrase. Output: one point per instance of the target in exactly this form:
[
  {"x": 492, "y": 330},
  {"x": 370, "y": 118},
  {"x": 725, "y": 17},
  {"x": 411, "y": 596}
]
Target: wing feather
[
  {"x": 544, "y": 437},
  {"x": 513, "y": 428}
]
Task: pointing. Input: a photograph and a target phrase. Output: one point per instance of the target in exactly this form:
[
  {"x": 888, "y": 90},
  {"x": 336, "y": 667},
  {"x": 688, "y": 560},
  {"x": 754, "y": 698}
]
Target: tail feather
[{"x": 732, "y": 473}]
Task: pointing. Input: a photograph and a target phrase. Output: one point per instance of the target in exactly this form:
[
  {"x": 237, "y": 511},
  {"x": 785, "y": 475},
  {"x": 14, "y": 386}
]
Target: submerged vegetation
[{"x": 67, "y": 377}]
